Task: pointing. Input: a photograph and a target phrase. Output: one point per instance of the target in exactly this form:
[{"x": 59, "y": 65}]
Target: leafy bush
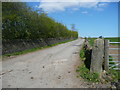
[
  {"x": 87, "y": 75},
  {"x": 82, "y": 54},
  {"x": 21, "y": 22}
]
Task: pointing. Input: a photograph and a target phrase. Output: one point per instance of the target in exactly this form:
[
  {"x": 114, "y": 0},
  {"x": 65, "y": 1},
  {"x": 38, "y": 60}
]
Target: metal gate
[{"x": 115, "y": 58}]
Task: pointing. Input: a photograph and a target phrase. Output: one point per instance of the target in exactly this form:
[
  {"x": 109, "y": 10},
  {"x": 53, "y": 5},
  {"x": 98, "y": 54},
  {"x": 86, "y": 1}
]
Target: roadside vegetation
[
  {"x": 21, "y": 22},
  {"x": 91, "y": 41},
  {"x": 113, "y": 74},
  {"x": 84, "y": 72},
  {"x": 82, "y": 54},
  {"x": 86, "y": 75}
]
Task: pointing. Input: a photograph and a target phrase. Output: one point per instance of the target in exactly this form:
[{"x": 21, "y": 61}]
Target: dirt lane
[{"x": 48, "y": 68}]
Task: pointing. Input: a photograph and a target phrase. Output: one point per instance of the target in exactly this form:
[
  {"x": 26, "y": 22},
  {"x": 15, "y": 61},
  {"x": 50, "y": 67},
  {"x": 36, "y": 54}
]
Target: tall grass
[
  {"x": 83, "y": 71},
  {"x": 91, "y": 41},
  {"x": 94, "y": 77}
]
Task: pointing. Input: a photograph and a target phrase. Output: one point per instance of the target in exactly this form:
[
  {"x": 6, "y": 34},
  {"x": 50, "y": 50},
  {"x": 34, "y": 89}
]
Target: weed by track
[{"x": 84, "y": 72}]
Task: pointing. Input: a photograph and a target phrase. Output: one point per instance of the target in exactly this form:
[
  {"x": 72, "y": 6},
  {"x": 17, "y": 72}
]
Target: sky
[{"x": 91, "y": 19}]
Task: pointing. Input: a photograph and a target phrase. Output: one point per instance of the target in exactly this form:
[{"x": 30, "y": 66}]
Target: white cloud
[
  {"x": 61, "y": 0},
  {"x": 102, "y": 4},
  {"x": 84, "y": 12},
  {"x": 79, "y": 0},
  {"x": 75, "y": 9},
  {"x": 61, "y": 5},
  {"x": 55, "y": 6}
]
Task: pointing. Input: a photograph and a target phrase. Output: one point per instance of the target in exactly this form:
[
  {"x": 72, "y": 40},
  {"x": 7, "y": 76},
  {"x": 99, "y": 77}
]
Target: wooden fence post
[
  {"x": 97, "y": 56},
  {"x": 106, "y": 55}
]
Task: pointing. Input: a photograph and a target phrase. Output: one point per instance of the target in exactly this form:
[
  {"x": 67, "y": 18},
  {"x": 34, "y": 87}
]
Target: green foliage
[
  {"x": 115, "y": 75},
  {"x": 94, "y": 77},
  {"x": 20, "y": 22},
  {"x": 114, "y": 39},
  {"x": 111, "y": 59},
  {"x": 91, "y": 41},
  {"x": 84, "y": 71},
  {"x": 82, "y": 54},
  {"x": 87, "y": 75}
]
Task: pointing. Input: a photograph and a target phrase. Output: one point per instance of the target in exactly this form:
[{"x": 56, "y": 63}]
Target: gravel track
[{"x": 52, "y": 67}]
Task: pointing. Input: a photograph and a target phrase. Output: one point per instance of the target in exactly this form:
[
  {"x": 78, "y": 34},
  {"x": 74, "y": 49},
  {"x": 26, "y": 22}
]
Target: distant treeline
[{"x": 20, "y": 22}]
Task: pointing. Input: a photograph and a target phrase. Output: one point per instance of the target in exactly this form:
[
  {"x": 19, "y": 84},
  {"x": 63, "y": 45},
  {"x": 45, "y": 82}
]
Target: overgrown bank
[
  {"x": 84, "y": 70},
  {"x": 24, "y": 28},
  {"x": 19, "y": 21}
]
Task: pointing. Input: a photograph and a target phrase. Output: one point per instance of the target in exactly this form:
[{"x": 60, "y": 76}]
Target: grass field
[
  {"x": 111, "y": 39},
  {"x": 114, "y": 39}
]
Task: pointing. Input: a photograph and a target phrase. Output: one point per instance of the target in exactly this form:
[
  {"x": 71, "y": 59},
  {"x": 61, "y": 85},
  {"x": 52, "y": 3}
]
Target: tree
[{"x": 20, "y": 22}]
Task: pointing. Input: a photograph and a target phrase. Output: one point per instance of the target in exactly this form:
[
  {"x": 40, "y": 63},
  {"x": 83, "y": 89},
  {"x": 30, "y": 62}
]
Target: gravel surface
[
  {"x": 47, "y": 68},
  {"x": 53, "y": 67}
]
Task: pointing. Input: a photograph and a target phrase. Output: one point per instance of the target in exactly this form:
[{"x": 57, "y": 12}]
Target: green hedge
[{"x": 20, "y": 22}]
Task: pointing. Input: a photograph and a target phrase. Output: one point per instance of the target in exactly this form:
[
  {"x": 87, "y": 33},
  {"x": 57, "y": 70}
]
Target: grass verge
[
  {"x": 84, "y": 72},
  {"x": 82, "y": 54},
  {"x": 91, "y": 41},
  {"x": 111, "y": 76},
  {"x": 33, "y": 49},
  {"x": 114, "y": 74}
]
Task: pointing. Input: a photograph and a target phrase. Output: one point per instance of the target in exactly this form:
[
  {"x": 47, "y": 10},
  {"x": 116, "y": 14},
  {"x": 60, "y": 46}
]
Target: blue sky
[{"x": 91, "y": 19}]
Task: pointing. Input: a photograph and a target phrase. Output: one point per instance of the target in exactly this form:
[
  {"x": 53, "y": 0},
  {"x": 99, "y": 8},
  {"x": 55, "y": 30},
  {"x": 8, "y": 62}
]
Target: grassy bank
[
  {"x": 33, "y": 49},
  {"x": 84, "y": 72},
  {"x": 113, "y": 74},
  {"x": 91, "y": 41}
]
